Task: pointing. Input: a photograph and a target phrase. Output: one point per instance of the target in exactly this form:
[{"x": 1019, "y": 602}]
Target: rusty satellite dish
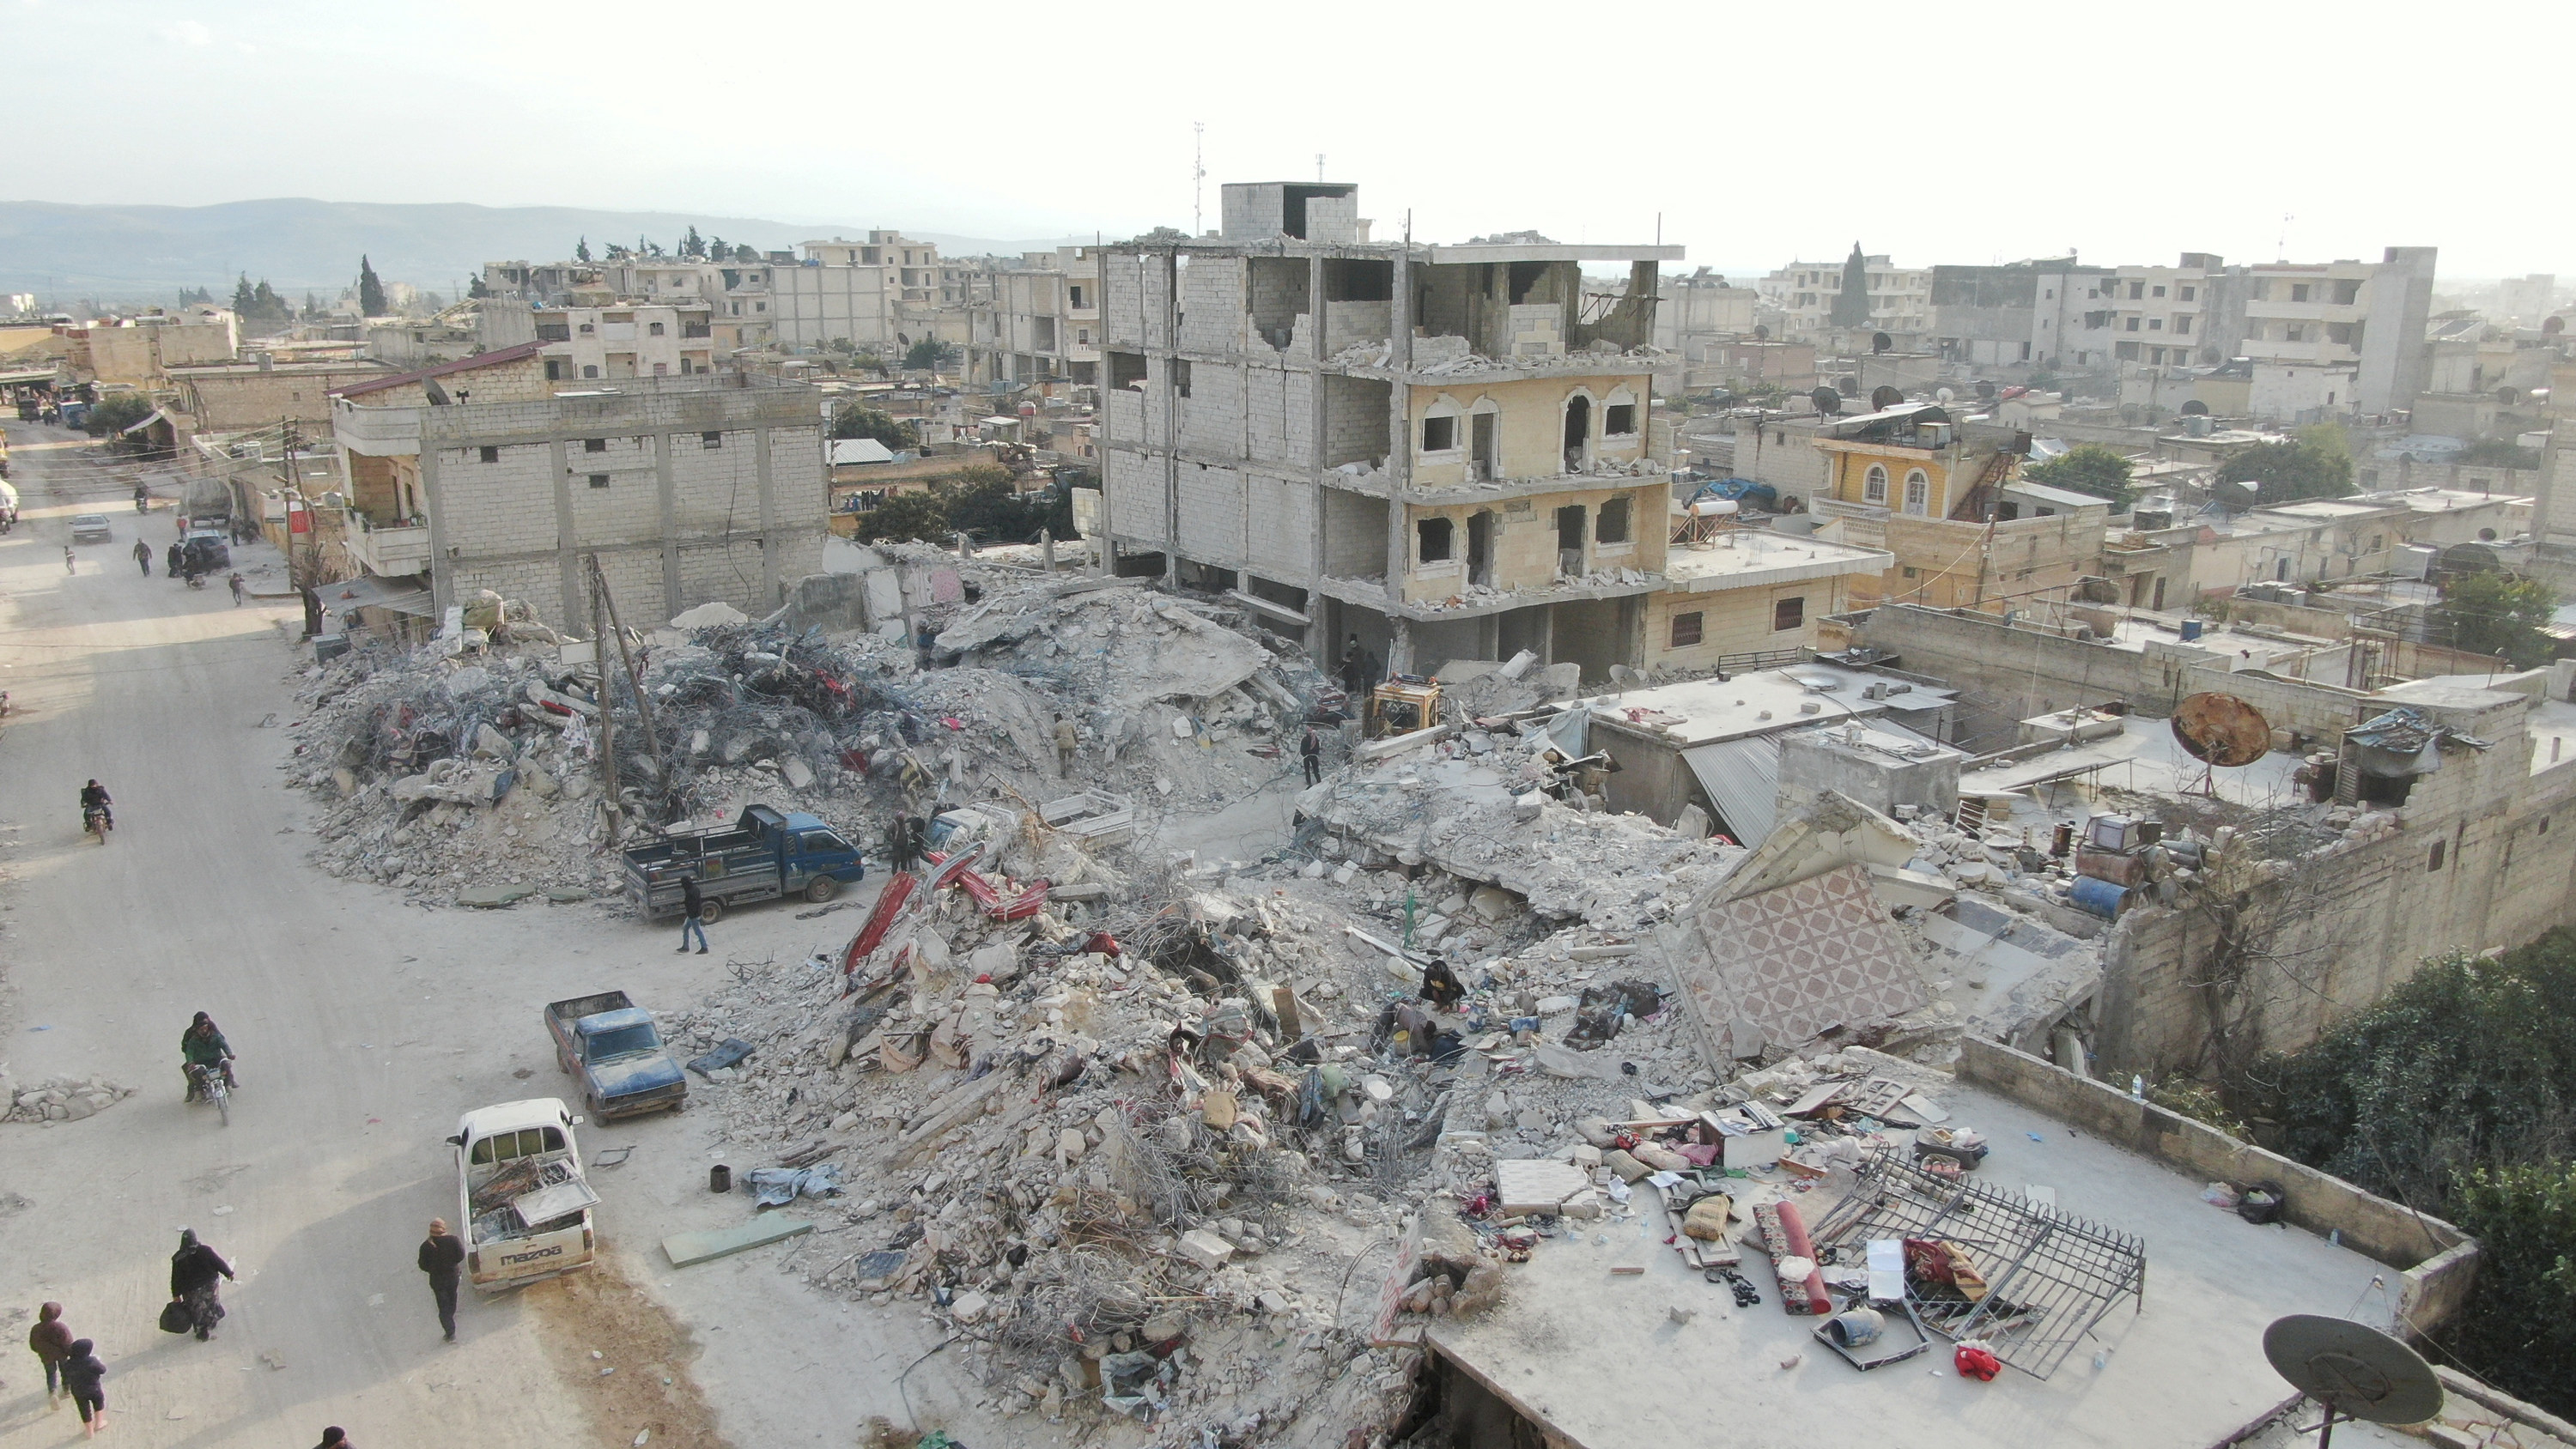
[{"x": 2222, "y": 729}]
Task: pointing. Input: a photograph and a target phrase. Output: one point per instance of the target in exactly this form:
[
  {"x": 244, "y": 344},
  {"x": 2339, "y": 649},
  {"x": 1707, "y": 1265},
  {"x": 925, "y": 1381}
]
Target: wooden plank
[{"x": 688, "y": 1249}]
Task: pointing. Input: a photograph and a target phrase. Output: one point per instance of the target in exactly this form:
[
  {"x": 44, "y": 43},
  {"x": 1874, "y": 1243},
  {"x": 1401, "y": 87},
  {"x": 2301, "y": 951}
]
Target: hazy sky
[{"x": 2129, "y": 132}]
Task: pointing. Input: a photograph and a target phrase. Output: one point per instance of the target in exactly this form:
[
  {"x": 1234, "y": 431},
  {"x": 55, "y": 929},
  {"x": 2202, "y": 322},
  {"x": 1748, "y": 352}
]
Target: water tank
[
  {"x": 1715, "y": 507},
  {"x": 2100, "y": 897}
]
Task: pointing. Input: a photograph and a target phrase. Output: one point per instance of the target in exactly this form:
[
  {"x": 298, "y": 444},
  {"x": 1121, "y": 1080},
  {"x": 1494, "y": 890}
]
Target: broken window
[
  {"x": 490, "y": 455},
  {"x": 1787, "y": 614},
  {"x": 1074, "y": 294},
  {"x": 654, "y": 330},
  {"x": 1181, "y": 376},
  {"x": 594, "y": 445},
  {"x": 710, "y": 440},
  {"x": 1610, "y": 525},
  {"x": 1127, "y": 369},
  {"x": 2435, "y": 863},
  {"x": 2347, "y": 293},
  {"x": 1439, "y": 435},
  {"x": 1873, "y": 485},
  {"x": 598, "y": 480},
  {"x": 2298, "y": 291},
  {"x": 1686, "y": 629},
  {"x": 1619, "y": 419},
  {"x": 554, "y": 370},
  {"x": 1357, "y": 279},
  {"x": 1434, "y": 535},
  {"x": 1578, "y": 432}
]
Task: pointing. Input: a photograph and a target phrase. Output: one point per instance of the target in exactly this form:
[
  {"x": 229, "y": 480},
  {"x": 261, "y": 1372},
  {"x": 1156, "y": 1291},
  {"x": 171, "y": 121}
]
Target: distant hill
[{"x": 143, "y": 253}]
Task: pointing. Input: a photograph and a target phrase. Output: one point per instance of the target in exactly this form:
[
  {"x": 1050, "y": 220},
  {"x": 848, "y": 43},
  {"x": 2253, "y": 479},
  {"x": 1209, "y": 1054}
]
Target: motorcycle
[
  {"x": 206, "y": 1084},
  {"x": 95, "y": 821}
]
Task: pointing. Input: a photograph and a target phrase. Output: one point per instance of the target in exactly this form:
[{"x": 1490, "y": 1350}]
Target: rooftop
[
  {"x": 1700, "y": 711},
  {"x": 1600, "y": 1359},
  {"x": 1742, "y": 556}
]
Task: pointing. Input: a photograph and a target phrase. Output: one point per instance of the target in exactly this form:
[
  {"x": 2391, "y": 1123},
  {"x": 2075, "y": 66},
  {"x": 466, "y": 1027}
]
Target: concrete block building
[
  {"x": 688, "y": 489},
  {"x": 1439, "y": 449}
]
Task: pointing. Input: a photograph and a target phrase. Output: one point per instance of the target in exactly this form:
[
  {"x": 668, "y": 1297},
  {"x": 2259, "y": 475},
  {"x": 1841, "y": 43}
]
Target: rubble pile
[
  {"x": 478, "y": 766},
  {"x": 64, "y": 1099}
]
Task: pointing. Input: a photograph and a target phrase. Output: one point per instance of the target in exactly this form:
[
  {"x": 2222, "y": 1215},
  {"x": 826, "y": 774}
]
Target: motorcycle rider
[
  {"x": 142, "y": 498},
  {"x": 203, "y": 1048},
  {"x": 94, "y": 797}
]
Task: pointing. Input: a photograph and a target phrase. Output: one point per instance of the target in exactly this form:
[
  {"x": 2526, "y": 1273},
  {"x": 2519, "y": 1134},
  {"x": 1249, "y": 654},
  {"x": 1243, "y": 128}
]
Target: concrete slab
[
  {"x": 688, "y": 1249},
  {"x": 1600, "y": 1359}
]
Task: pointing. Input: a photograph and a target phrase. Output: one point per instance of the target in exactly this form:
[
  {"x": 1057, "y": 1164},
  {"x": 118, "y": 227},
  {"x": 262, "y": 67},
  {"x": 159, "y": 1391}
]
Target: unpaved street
[{"x": 364, "y": 1027}]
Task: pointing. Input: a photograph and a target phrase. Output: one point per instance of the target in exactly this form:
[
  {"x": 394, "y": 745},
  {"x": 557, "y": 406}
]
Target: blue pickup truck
[
  {"x": 771, "y": 853},
  {"x": 611, "y": 1045}
]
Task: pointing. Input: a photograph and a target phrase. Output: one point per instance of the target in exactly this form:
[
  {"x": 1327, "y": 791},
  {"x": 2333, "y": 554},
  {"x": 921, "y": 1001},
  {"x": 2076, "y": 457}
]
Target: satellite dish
[
  {"x": 1762, "y": 333},
  {"x": 1882, "y": 398},
  {"x": 1986, "y": 391},
  {"x": 1942, "y": 395},
  {"x": 2221, "y": 729},
  {"x": 2551, "y": 327},
  {"x": 1827, "y": 401},
  {"x": 2195, "y": 409},
  {"x": 1880, "y": 342},
  {"x": 2353, "y": 1369}
]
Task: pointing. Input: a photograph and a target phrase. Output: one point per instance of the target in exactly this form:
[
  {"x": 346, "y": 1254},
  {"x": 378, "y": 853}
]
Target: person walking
[
  {"x": 693, "y": 907},
  {"x": 51, "y": 1341},
  {"x": 336, "y": 1437},
  {"x": 1311, "y": 750},
  {"x": 143, "y": 557},
  {"x": 1065, "y": 740},
  {"x": 71, "y": 560},
  {"x": 240, "y": 589},
  {"x": 440, "y": 1256},
  {"x": 85, "y": 1379},
  {"x": 195, "y": 1271},
  {"x": 170, "y": 563}
]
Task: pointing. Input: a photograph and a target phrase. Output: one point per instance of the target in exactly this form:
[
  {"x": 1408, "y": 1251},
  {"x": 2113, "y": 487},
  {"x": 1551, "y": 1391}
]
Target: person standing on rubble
[
  {"x": 693, "y": 907},
  {"x": 1065, "y": 740},
  {"x": 1311, "y": 750},
  {"x": 1354, "y": 669}
]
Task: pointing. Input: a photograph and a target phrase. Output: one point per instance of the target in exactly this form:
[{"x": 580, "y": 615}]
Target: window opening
[
  {"x": 1873, "y": 485},
  {"x": 1439, "y": 435},
  {"x": 1611, "y": 524},
  {"x": 1619, "y": 419},
  {"x": 1435, "y": 541},
  {"x": 1578, "y": 431},
  {"x": 1788, "y": 614},
  {"x": 1686, "y": 629}
]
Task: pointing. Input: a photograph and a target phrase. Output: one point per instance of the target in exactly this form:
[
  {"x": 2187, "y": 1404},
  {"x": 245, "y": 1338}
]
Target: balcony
[{"x": 386, "y": 550}]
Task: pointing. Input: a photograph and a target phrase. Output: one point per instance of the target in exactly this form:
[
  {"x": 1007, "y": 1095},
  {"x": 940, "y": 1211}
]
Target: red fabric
[
  {"x": 880, "y": 917},
  {"x": 1699, "y": 1155},
  {"x": 1793, "y": 1226},
  {"x": 1976, "y": 1363}
]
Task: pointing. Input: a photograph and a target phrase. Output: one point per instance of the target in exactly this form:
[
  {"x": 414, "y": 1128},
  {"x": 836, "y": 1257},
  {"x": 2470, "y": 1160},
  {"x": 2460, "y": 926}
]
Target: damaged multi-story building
[{"x": 1440, "y": 450}]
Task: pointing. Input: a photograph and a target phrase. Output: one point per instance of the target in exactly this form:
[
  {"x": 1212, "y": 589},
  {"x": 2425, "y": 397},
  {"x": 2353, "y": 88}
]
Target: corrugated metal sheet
[{"x": 1742, "y": 778}]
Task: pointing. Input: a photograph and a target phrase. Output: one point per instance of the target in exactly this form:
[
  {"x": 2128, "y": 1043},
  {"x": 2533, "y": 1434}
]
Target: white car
[{"x": 91, "y": 528}]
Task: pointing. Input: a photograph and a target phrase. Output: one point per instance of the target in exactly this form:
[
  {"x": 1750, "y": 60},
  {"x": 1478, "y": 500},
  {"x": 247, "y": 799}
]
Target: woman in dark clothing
[
  {"x": 335, "y": 1437},
  {"x": 85, "y": 1378},
  {"x": 51, "y": 1341},
  {"x": 194, "y": 1271}
]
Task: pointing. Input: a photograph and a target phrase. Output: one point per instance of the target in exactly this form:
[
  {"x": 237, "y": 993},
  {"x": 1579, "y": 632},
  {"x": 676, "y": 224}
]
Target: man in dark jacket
[
  {"x": 692, "y": 905},
  {"x": 440, "y": 1256},
  {"x": 194, "y": 1272},
  {"x": 1311, "y": 750}
]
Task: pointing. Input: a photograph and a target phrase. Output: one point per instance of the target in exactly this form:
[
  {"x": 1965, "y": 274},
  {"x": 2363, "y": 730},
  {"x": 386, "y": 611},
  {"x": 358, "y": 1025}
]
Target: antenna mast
[{"x": 1198, "y": 179}]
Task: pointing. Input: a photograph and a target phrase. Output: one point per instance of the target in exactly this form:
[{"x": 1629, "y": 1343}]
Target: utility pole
[
  {"x": 604, "y": 618},
  {"x": 1198, "y": 179},
  {"x": 607, "y": 710}
]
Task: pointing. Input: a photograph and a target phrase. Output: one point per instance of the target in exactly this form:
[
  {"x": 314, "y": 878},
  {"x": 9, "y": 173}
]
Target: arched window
[
  {"x": 1918, "y": 492},
  {"x": 1873, "y": 485}
]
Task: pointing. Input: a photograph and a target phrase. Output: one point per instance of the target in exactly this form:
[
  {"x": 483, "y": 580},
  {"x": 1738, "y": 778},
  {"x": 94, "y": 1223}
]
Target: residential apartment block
[
  {"x": 688, "y": 489},
  {"x": 1426, "y": 446},
  {"x": 1900, "y": 298},
  {"x": 585, "y": 344},
  {"x": 1036, "y": 318}
]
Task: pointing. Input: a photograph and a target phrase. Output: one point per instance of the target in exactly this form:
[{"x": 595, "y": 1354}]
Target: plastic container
[{"x": 719, "y": 1178}]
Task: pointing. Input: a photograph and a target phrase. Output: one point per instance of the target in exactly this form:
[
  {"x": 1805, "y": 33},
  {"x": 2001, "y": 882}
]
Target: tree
[
  {"x": 2498, "y": 453},
  {"x": 716, "y": 249},
  {"x": 691, "y": 244},
  {"x": 2490, "y": 612},
  {"x": 243, "y": 298},
  {"x": 2287, "y": 472},
  {"x": 2456, "y": 1096},
  {"x": 477, "y": 289},
  {"x": 745, "y": 253},
  {"x": 2087, "y": 468},
  {"x": 116, "y": 412},
  {"x": 581, "y": 250},
  {"x": 919, "y": 517},
  {"x": 857, "y": 420},
  {"x": 371, "y": 290},
  {"x": 313, "y": 308},
  {"x": 1851, "y": 304},
  {"x": 929, "y": 355},
  {"x": 985, "y": 501}
]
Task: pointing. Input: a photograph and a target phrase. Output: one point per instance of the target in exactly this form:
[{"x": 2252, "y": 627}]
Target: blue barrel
[{"x": 2100, "y": 897}]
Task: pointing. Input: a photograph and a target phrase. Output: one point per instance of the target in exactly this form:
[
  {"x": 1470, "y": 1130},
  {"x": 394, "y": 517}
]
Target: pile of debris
[
  {"x": 478, "y": 763},
  {"x": 64, "y": 1099}
]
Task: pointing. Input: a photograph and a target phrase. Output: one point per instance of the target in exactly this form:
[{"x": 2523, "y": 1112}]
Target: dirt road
[{"x": 364, "y": 1026}]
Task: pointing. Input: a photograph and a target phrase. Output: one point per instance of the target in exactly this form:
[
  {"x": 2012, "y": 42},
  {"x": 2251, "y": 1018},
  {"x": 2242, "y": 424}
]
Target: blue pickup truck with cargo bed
[
  {"x": 770, "y": 853},
  {"x": 610, "y": 1043}
]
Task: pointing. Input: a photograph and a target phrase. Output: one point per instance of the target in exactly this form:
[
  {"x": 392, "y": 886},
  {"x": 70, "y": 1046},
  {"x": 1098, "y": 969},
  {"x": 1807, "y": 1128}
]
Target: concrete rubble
[
  {"x": 61, "y": 1099},
  {"x": 465, "y": 772}
]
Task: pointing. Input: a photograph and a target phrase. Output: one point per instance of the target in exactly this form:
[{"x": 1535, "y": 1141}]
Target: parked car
[
  {"x": 91, "y": 528},
  {"x": 610, "y": 1044}
]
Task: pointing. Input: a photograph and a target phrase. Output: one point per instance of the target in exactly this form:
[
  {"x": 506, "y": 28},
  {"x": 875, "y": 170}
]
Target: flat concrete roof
[
  {"x": 1599, "y": 1359},
  {"x": 1707, "y": 710},
  {"x": 1753, "y": 556},
  {"x": 2145, "y": 757}
]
